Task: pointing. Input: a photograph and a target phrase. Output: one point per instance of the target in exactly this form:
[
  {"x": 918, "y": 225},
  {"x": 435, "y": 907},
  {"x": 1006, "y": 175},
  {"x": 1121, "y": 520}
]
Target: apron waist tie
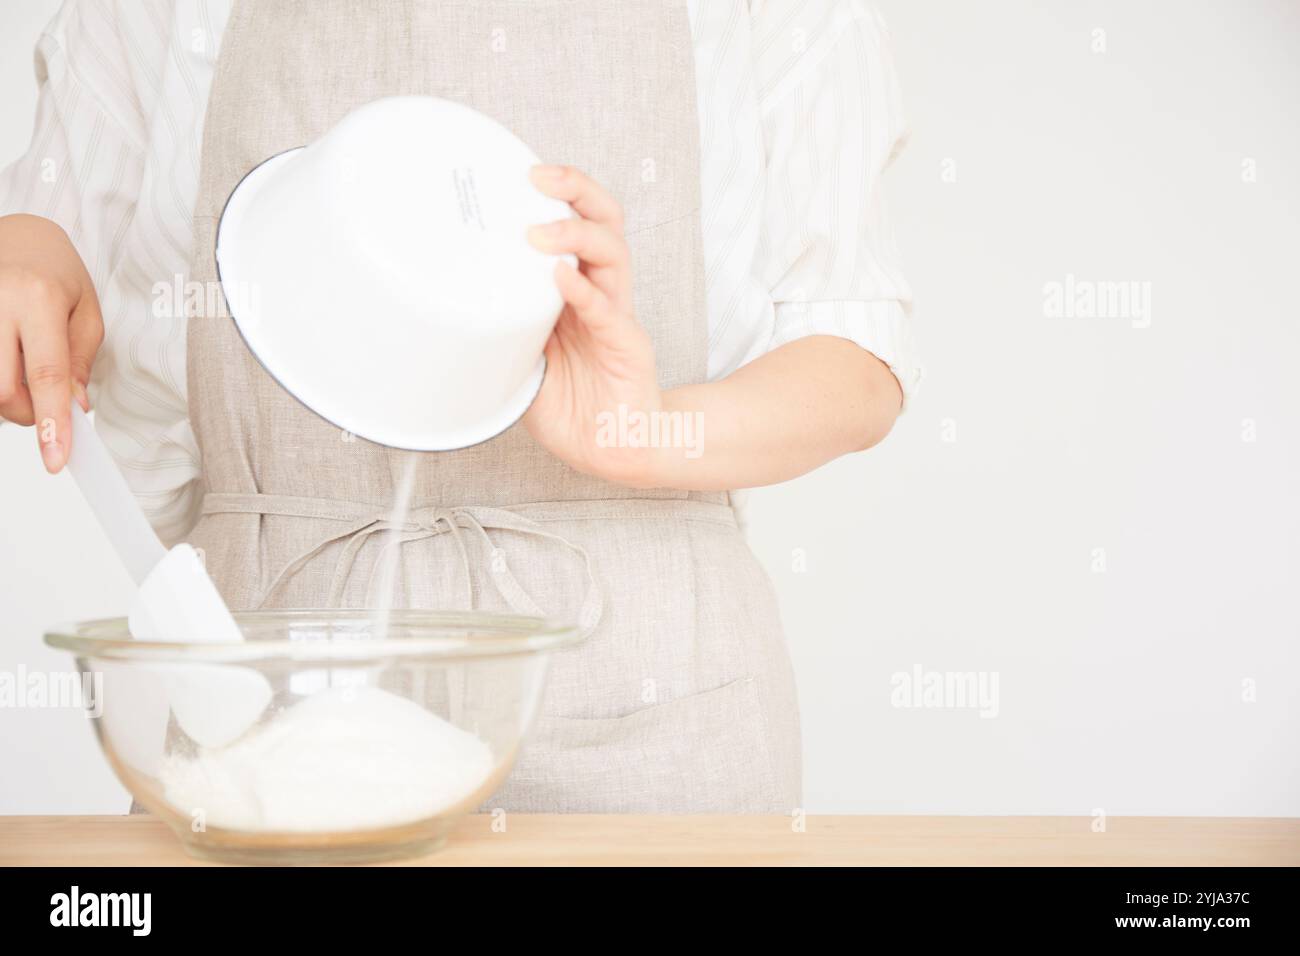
[{"x": 361, "y": 521}]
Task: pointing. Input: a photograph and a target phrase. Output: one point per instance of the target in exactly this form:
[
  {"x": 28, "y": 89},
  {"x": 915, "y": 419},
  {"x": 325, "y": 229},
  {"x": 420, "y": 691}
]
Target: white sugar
[{"x": 345, "y": 759}]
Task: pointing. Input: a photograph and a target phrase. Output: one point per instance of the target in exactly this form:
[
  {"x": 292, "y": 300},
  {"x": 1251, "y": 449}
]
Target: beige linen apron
[{"x": 681, "y": 699}]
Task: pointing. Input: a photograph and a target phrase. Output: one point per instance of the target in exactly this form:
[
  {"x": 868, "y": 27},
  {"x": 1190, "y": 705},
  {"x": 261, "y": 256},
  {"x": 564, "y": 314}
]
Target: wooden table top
[{"x": 543, "y": 840}]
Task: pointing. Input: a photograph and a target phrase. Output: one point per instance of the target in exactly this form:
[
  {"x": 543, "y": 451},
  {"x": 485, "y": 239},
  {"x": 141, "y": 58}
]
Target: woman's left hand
[{"x": 599, "y": 357}]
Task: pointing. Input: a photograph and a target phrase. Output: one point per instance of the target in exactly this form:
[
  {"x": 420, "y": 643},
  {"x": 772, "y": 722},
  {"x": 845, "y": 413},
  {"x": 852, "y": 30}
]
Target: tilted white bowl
[{"x": 383, "y": 276}]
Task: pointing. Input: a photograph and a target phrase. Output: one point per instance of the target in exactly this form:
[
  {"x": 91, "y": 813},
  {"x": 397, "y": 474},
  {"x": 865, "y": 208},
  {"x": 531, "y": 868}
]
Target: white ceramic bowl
[{"x": 383, "y": 276}]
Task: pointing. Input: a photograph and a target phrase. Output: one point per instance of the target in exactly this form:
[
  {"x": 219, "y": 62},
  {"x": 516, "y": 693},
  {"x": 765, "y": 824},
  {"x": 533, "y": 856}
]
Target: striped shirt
[{"x": 799, "y": 116}]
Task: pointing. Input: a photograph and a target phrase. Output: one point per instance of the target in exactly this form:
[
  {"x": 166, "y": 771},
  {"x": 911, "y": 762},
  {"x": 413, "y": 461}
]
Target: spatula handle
[{"x": 105, "y": 490}]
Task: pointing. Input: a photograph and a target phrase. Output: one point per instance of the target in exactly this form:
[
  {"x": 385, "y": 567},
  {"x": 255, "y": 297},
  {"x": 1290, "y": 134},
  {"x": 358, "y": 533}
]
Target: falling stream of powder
[{"x": 390, "y": 559}]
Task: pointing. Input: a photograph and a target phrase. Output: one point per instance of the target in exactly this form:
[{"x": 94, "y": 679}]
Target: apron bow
[{"x": 419, "y": 524}]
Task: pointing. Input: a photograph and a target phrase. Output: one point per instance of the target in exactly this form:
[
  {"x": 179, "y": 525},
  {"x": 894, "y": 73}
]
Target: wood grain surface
[{"x": 546, "y": 840}]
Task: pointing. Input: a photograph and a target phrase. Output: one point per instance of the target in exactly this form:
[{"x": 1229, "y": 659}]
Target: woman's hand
[
  {"x": 778, "y": 417},
  {"x": 598, "y": 358},
  {"x": 50, "y": 330}
]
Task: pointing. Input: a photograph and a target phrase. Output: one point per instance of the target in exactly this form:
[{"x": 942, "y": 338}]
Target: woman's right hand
[{"x": 50, "y": 330}]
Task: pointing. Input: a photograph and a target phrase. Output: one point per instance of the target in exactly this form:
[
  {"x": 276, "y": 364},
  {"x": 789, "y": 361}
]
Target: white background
[{"x": 1119, "y": 689}]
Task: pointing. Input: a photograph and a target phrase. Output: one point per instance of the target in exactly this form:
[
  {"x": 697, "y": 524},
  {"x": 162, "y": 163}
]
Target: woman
[{"x": 723, "y": 159}]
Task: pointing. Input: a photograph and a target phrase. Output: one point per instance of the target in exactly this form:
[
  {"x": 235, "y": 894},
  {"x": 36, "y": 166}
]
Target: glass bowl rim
[{"x": 412, "y": 634}]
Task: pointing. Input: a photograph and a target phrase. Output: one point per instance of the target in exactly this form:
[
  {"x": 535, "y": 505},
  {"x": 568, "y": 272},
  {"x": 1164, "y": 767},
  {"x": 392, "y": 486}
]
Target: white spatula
[{"x": 176, "y": 601}]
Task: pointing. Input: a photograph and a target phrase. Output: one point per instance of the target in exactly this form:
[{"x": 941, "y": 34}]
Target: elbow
[
  {"x": 875, "y": 430},
  {"x": 879, "y": 405}
]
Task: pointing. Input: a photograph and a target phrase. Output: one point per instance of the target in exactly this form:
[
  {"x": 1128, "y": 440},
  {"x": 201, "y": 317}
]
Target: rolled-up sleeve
[
  {"x": 832, "y": 123},
  {"x": 86, "y": 158}
]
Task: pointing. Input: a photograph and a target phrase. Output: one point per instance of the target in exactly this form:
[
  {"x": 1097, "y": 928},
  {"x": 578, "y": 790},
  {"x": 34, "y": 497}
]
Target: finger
[
  {"x": 588, "y": 303},
  {"x": 604, "y": 254},
  {"x": 589, "y": 199},
  {"x": 15, "y": 400},
  {"x": 591, "y": 242},
  {"x": 45, "y": 360},
  {"x": 85, "y": 335}
]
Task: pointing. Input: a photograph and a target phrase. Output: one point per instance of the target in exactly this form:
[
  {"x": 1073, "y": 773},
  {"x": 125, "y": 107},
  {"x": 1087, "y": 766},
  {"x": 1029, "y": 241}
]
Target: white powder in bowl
[{"x": 344, "y": 759}]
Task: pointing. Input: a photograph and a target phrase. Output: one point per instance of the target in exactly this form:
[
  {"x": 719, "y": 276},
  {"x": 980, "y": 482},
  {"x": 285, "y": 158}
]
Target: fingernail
[
  {"x": 83, "y": 396},
  {"x": 547, "y": 174},
  {"x": 52, "y": 455},
  {"x": 543, "y": 235}
]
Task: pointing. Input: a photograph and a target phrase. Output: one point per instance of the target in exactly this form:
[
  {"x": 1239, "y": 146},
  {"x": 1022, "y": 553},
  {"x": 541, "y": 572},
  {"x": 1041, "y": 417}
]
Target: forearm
[{"x": 780, "y": 416}]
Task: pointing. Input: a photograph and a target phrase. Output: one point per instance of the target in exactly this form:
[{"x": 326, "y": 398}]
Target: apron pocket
[{"x": 705, "y": 753}]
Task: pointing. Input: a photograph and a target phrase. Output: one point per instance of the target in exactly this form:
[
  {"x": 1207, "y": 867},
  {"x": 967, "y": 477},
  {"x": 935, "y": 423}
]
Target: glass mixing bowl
[{"x": 326, "y": 736}]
